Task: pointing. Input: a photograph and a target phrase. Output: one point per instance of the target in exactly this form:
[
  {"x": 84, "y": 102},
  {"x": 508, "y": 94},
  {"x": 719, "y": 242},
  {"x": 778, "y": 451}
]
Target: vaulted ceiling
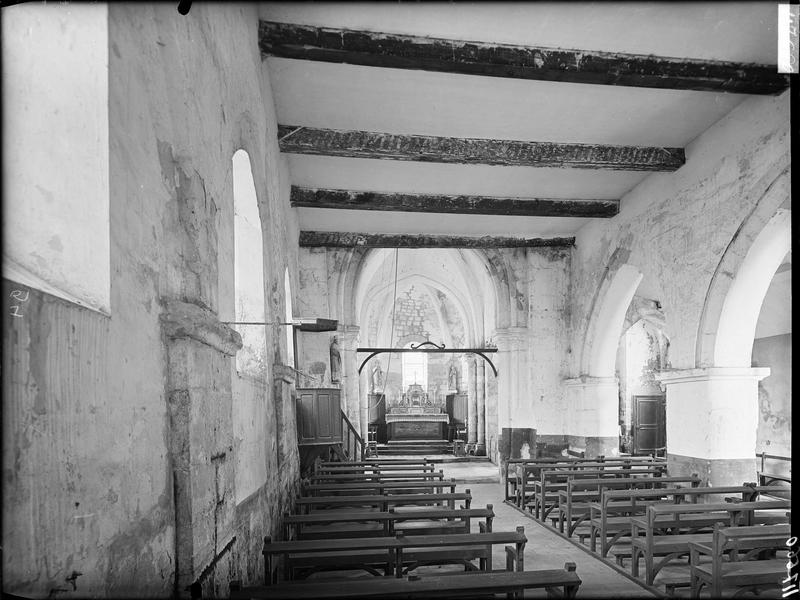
[{"x": 432, "y": 124}]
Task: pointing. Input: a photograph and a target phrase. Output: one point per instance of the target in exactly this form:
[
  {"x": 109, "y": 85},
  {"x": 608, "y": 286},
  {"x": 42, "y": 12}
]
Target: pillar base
[
  {"x": 517, "y": 443},
  {"x": 592, "y": 446},
  {"x": 714, "y": 472}
]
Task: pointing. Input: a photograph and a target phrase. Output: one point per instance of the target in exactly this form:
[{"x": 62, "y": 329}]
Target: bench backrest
[
  {"x": 554, "y": 476},
  {"x": 382, "y": 476},
  {"x": 654, "y": 511},
  {"x": 383, "y": 499},
  {"x": 380, "y": 485},
  {"x": 624, "y": 483},
  {"x": 751, "y": 537}
]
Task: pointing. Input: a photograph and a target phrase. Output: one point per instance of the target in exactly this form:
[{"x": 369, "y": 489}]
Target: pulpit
[{"x": 415, "y": 416}]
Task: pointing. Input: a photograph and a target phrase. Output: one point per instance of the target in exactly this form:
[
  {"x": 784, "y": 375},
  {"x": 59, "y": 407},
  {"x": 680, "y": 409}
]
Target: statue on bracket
[
  {"x": 336, "y": 361},
  {"x": 452, "y": 378},
  {"x": 376, "y": 379}
]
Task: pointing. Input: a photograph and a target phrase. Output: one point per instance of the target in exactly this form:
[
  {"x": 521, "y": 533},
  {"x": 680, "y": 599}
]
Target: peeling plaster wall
[
  {"x": 774, "y": 394},
  {"x": 87, "y": 473},
  {"x": 547, "y": 292},
  {"x": 675, "y": 227}
]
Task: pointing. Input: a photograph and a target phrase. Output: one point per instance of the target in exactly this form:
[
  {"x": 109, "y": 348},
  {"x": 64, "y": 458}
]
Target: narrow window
[
  {"x": 287, "y": 290},
  {"x": 415, "y": 369},
  {"x": 248, "y": 270}
]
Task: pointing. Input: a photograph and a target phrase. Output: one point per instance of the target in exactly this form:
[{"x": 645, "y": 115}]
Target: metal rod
[{"x": 449, "y": 350}]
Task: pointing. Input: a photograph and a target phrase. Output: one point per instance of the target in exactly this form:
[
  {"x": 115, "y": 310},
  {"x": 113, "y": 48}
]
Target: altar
[{"x": 415, "y": 416}]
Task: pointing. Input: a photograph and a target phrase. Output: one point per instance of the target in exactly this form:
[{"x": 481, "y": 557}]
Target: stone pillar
[
  {"x": 353, "y": 406},
  {"x": 592, "y": 415},
  {"x": 200, "y": 433},
  {"x": 517, "y": 435},
  {"x": 480, "y": 449},
  {"x": 472, "y": 402},
  {"x": 712, "y": 421}
]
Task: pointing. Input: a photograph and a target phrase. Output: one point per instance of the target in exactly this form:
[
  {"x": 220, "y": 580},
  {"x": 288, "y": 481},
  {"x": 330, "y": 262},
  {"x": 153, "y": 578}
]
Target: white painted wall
[
  {"x": 675, "y": 227},
  {"x": 55, "y": 150}
]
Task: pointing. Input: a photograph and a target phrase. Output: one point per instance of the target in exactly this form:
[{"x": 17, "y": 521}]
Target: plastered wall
[
  {"x": 89, "y": 441},
  {"x": 674, "y": 228}
]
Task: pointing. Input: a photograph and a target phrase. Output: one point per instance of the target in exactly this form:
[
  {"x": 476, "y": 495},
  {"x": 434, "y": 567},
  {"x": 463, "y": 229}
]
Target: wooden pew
[
  {"x": 513, "y": 468},
  {"x": 611, "y": 516},
  {"x": 320, "y": 525},
  {"x": 545, "y": 491},
  {"x": 307, "y": 504},
  {"x": 374, "y": 468},
  {"x": 378, "y": 487},
  {"x": 727, "y": 569},
  {"x": 382, "y": 476},
  {"x": 683, "y": 521},
  {"x": 556, "y": 581},
  {"x": 574, "y": 503},
  {"x": 373, "y": 462},
  {"x": 391, "y": 555},
  {"x": 769, "y": 475},
  {"x": 529, "y": 473}
]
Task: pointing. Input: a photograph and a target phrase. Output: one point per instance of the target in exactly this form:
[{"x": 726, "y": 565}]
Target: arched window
[
  {"x": 415, "y": 369},
  {"x": 248, "y": 269}
]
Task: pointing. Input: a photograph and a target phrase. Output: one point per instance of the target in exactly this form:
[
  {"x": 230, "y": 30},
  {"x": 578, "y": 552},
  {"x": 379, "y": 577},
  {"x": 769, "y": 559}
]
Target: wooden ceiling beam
[
  {"x": 288, "y": 40},
  {"x": 468, "y": 205},
  {"x": 427, "y": 148},
  {"x": 337, "y": 239}
]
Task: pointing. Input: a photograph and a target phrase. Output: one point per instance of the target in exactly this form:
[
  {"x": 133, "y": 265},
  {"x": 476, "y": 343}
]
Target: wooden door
[
  {"x": 319, "y": 418},
  {"x": 649, "y": 424}
]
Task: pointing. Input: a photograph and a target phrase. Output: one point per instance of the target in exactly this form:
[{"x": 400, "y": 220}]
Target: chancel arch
[{"x": 442, "y": 296}]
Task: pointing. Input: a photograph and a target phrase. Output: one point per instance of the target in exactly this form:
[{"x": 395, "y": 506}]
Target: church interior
[{"x": 261, "y": 255}]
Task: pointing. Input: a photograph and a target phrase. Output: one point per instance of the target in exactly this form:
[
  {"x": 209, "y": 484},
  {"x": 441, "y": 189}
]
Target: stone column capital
[{"x": 509, "y": 338}]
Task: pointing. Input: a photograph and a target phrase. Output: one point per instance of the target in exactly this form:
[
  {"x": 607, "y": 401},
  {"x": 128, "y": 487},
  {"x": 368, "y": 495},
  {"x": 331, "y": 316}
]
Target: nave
[{"x": 346, "y": 561}]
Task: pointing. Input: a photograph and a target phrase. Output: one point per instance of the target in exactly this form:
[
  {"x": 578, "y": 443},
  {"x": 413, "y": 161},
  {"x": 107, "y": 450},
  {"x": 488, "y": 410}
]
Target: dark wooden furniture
[
  {"x": 379, "y": 487},
  {"x": 377, "y": 477},
  {"x": 544, "y": 496},
  {"x": 574, "y": 502},
  {"x": 391, "y": 555},
  {"x": 732, "y": 552},
  {"x": 682, "y": 521},
  {"x": 384, "y": 502},
  {"x": 513, "y": 467},
  {"x": 377, "y": 462},
  {"x": 319, "y": 416},
  {"x": 360, "y": 523},
  {"x": 374, "y": 468},
  {"x": 556, "y": 581}
]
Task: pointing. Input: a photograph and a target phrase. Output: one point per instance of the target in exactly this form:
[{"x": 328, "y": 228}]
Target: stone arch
[
  {"x": 742, "y": 277},
  {"x": 607, "y": 318}
]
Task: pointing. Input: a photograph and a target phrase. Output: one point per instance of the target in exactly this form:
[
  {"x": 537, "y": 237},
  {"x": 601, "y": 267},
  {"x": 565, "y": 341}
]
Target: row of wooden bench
[
  {"x": 389, "y": 518},
  {"x": 651, "y": 518}
]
